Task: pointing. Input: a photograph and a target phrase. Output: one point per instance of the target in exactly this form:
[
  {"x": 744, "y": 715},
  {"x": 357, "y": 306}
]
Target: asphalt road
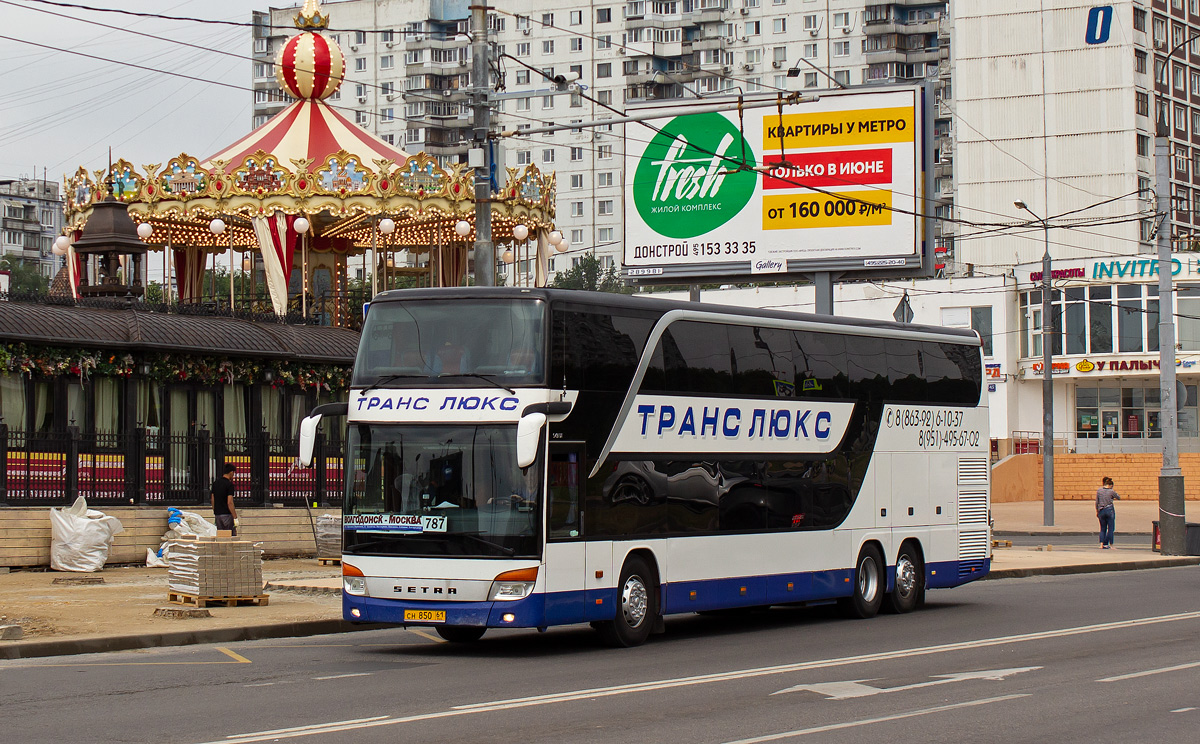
[{"x": 1112, "y": 657}]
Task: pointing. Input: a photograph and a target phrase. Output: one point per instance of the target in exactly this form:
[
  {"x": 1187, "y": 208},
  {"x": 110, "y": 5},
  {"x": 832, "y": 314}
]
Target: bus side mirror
[
  {"x": 529, "y": 435},
  {"x": 308, "y": 439}
]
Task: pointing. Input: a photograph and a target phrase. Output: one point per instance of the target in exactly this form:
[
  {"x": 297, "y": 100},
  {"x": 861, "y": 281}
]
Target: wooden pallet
[
  {"x": 192, "y": 600},
  {"x": 1001, "y": 543},
  {"x": 330, "y": 561}
]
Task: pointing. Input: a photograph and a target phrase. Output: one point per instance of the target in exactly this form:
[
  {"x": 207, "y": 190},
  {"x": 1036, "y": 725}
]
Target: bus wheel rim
[
  {"x": 633, "y": 601},
  {"x": 906, "y": 576},
  {"x": 868, "y": 582}
]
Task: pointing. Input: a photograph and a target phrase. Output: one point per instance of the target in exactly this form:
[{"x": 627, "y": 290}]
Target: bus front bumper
[{"x": 529, "y": 612}]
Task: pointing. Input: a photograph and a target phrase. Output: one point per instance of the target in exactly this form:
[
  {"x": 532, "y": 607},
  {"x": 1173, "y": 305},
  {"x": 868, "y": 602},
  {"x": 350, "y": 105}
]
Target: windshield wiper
[
  {"x": 485, "y": 378},
  {"x": 389, "y": 378},
  {"x": 475, "y": 536}
]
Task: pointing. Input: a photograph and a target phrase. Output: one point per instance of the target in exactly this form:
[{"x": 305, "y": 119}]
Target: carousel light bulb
[
  {"x": 145, "y": 230},
  {"x": 507, "y": 256},
  {"x": 562, "y": 246},
  {"x": 61, "y": 244},
  {"x": 217, "y": 226},
  {"x": 555, "y": 237},
  {"x": 387, "y": 226},
  {"x": 463, "y": 228},
  {"x": 301, "y": 225},
  {"x": 520, "y": 232}
]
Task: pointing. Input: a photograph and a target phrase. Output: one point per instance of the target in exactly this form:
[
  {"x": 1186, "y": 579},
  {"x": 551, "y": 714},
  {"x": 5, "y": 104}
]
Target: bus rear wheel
[
  {"x": 869, "y": 585},
  {"x": 909, "y": 592},
  {"x": 637, "y": 606},
  {"x": 460, "y": 633}
]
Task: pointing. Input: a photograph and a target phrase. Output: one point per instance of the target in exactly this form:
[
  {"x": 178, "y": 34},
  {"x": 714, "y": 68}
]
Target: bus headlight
[
  {"x": 353, "y": 581},
  {"x": 512, "y": 585}
]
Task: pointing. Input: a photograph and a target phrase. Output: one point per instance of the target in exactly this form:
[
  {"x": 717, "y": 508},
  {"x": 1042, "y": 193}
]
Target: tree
[
  {"x": 24, "y": 276},
  {"x": 589, "y": 275}
]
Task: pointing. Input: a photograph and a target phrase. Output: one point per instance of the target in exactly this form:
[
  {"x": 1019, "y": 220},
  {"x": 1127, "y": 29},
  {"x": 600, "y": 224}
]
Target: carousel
[{"x": 293, "y": 208}]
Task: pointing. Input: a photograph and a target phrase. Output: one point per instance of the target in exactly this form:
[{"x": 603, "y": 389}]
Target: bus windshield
[
  {"x": 419, "y": 342},
  {"x": 439, "y": 490}
]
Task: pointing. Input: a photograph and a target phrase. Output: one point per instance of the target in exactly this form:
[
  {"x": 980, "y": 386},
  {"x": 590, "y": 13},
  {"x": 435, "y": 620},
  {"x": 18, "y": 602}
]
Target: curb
[
  {"x": 181, "y": 638},
  {"x": 1060, "y": 533},
  {"x": 333, "y": 591},
  {"x": 1022, "y": 573}
]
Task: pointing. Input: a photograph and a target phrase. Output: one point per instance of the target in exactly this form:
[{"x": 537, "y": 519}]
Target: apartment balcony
[
  {"x": 892, "y": 26},
  {"x": 904, "y": 56},
  {"x": 712, "y": 42}
]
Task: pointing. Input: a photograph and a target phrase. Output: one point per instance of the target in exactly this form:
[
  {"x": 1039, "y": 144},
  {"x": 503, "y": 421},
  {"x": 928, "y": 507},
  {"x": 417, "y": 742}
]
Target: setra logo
[{"x": 687, "y": 181}]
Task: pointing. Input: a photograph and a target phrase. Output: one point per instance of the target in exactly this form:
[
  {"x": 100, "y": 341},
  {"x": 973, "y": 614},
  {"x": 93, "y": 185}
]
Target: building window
[
  {"x": 577, "y": 180},
  {"x": 548, "y": 46},
  {"x": 604, "y": 152},
  {"x": 387, "y": 114},
  {"x": 1139, "y": 19},
  {"x": 842, "y": 76},
  {"x": 576, "y": 17},
  {"x": 576, "y": 154},
  {"x": 547, "y": 19},
  {"x": 604, "y": 235},
  {"x": 576, "y": 45},
  {"x": 603, "y": 15},
  {"x": 1143, "y": 145},
  {"x": 523, "y": 49},
  {"x": 547, "y": 156},
  {"x": 1139, "y": 61},
  {"x": 810, "y": 80},
  {"x": 524, "y": 157},
  {"x": 779, "y": 25},
  {"x": 841, "y": 20},
  {"x": 1143, "y": 103},
  {"x": 604, "y": 178},
  {"x": 360, "y": 64},
  {"x": 841, "y": 49},
  {"x": 604, "y": 207},
  {"x": 576, "y": 209},
  {"x": 547, "y": 102},
  {"x": 522, "y": 77},
  {"x": 360, "y": 37},
  {"x": 604, "y": 42}
]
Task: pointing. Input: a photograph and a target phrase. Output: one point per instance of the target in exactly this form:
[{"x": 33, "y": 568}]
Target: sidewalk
[
  {"x": 305, "y": 599},
  {"x": 1079, "y": 518}
]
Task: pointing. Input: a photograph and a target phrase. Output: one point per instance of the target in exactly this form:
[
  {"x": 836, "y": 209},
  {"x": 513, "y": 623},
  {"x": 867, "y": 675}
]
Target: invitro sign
[{"x": 827, "y": 184}]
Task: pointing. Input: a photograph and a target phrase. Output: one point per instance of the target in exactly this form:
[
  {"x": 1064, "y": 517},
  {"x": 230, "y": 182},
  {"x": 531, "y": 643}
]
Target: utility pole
[
  {"x": 480, "y": 157},
  {"x": 1171, "y": 523},
  {"x": 1047, "y": 378}
]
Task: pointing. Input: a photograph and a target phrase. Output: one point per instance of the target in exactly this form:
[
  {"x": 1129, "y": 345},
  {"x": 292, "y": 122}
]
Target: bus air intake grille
[
  {"x": 972, "y": 546},
  {"x": 970, "y": 568},
  {"x": 973, "y": 508},
  {"x": 972, "y": 471}
]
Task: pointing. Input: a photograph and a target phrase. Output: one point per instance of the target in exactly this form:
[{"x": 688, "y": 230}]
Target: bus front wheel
[
  {"x": 869, "y": 584},
  {"x": 460, "y": 633},
  {"x": 637, "y": 606},
  {"x": 909, "y": 593}
]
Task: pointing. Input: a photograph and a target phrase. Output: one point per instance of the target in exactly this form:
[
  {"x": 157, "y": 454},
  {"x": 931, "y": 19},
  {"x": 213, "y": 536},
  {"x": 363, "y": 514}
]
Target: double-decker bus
[{"x": 522, "y": 458}]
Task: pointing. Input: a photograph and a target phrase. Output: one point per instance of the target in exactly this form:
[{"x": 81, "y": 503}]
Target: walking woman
[{"x": 1105, "y": 495}]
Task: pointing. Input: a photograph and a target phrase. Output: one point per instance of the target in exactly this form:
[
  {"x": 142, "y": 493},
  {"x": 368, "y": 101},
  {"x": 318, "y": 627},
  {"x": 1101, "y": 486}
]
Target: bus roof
[{"x": 613, "y": 301}]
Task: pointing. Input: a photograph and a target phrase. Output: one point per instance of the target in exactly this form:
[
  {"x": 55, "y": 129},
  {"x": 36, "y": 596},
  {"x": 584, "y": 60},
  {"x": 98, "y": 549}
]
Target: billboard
[{"x": 831, "y": 184}]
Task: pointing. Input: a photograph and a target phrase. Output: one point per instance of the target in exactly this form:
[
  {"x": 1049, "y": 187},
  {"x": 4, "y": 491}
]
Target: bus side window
[{"x": 565, "y": 477}]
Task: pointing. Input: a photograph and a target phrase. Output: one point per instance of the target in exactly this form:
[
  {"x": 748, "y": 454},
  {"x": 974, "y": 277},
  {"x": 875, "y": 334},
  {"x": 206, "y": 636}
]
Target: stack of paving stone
[
  {"x": 215, "y": 567},
  {"x": 329, "y": 537}
]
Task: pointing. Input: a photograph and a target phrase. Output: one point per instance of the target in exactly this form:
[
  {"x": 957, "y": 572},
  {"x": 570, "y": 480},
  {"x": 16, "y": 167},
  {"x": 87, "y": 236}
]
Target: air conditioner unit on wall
[
  {"x": 814, "y": 31},
  {"x": 777, "y": 64},
  {"x": 745, "y": 11},
  {"x": 362, "y": 99}
]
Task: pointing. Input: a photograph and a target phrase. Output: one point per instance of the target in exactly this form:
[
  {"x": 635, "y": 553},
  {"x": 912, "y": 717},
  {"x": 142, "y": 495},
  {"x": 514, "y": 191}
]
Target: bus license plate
[{"x": 424, "y": 616}]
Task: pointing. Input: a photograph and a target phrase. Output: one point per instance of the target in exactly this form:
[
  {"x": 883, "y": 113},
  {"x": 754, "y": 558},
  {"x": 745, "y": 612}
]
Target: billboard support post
[{"x": 823, "y": 285}]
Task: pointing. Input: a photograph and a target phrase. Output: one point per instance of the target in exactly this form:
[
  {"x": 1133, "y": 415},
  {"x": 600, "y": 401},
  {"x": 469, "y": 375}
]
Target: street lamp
[
  {"x": 1047, "y": 381},
  {"x": 1172, "y": 530}
]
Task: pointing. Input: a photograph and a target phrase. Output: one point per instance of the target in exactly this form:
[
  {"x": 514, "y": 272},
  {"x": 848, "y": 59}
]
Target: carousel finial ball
[
  {"x": 387, "y": 226},
  {"x": 520, "y": 232},
  {"x": 145, "y": 230},
  {"x": 301, "y": 225},
  {"x": 310, "y": 66},
  {"x": 61, "y": 243},
  {"x": 463, "y": 228},
  {"x": 217, "y": 226}
]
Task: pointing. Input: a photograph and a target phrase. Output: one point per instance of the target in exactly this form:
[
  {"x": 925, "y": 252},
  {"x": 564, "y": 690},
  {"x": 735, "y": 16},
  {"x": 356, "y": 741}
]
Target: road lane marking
[
  {"x": 1182, "y": 710},
  {"x": 702, "y": 679},
  {"x": 299, "y": 729},
  {"x": 1150, "y": 672},
  {"x": 880, "y": 719},
  {"x": 233, "y": 655},
  {"x": 426, "y": 634},
  {"x": 855, "y": 689},
  {"x": 260, "y": 684},
  {"x": 343, "y": 676}
]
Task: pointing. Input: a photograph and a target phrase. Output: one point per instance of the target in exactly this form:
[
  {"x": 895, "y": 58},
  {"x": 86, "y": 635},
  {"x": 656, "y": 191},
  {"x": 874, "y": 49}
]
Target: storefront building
[{"x": 1105, "y": 351}]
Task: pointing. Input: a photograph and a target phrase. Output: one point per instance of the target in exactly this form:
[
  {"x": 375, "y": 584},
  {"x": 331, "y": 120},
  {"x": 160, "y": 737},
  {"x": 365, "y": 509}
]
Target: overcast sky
[{"x": 59, "y": 110}]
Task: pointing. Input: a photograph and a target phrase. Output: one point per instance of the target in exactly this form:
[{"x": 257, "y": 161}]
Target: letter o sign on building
[{"x": 1099, "y": 24}]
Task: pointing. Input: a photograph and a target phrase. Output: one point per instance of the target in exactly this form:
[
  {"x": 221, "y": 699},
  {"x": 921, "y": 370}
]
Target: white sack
[
  {"x": 194, "y": 524},
  {"x": 81, "y": 537},
  {"x": 153, "y": 561}
]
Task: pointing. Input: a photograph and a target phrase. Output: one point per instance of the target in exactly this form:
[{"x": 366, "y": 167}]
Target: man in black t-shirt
[{"x": 222, "y": 500}]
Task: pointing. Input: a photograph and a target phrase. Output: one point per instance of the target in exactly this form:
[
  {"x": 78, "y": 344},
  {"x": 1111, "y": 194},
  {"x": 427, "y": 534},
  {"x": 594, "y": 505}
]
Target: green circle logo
[{"x": 687, "y": 182}]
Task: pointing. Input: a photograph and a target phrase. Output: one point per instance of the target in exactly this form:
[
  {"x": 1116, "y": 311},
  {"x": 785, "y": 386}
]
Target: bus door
[{"x": 568, "y": 575}]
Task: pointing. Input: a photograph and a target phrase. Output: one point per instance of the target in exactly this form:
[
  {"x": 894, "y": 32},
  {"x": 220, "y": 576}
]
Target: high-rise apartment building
[
  {"x": 32, "y": 218},
  {"x": 408, "y": 67}
]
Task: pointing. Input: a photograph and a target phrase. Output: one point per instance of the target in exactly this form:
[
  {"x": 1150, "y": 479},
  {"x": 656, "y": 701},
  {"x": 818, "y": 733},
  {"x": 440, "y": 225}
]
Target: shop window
[
  {"x": 1129, "y": 318},
  {"x": 12, "y": 401},
  {"x": 1076, "y": 320},
  {"x": 1100, "y": 322}
]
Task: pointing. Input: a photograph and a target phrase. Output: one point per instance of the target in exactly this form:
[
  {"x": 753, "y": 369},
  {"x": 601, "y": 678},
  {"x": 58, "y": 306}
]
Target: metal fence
[{"x": 146, "y": 467}]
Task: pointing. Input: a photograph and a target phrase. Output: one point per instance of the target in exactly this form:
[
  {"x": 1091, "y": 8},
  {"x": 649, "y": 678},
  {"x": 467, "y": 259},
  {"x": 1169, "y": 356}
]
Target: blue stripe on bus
[{"x": 566, "y": 608}]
